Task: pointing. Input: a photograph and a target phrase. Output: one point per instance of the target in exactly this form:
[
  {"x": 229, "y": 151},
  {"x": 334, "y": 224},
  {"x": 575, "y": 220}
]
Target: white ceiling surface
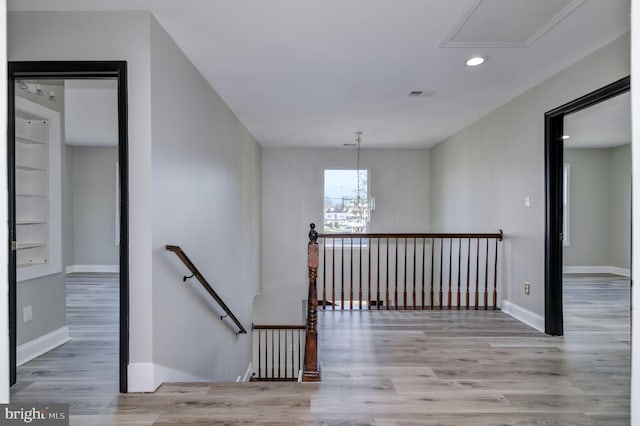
[
  {"x": 91, "y": 112},
  {"x": 309, "y": 73},
  {"x": 604, "y": 125}
]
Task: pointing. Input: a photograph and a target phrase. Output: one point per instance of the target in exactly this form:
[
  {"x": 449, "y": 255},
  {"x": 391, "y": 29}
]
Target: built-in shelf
[
  {"x": 27, "y": 265},
  {"x": 29, "y": 140},
  {"x": 25, "y": 246},
  {"x": 30, "y": 168},
  {"x": 37, "y": 190},
  {"x": 27, "y": 194},
  {"x": 30, "y": 222}
]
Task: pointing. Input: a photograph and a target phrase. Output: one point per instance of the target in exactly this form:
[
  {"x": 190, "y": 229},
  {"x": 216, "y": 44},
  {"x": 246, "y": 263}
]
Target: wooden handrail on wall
[{"x": 196, "y": 273}]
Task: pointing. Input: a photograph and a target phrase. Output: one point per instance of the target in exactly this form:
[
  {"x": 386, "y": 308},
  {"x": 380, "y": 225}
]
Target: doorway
[
  {"x": 555, "y": 172},
  {"x": 48, "y": 253}
]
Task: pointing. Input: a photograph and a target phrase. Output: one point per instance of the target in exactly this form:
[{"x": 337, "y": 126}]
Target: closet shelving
[{"x": 38, "y": 200}]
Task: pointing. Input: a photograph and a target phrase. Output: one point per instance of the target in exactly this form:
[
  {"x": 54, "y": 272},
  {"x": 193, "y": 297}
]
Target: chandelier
[{"x": 360, "y": 210}]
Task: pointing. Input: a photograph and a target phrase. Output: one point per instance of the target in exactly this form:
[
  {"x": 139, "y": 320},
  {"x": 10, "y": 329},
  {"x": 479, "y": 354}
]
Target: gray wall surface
[
  {"x": 620, "y": 203},
  {"x": 292, "y": 190},
  {"x": 481, "y": 175},
  {"x": 93, "y": 191},
  {"x": 600, "y": 207},
  {"x": 206, "y": 198}
]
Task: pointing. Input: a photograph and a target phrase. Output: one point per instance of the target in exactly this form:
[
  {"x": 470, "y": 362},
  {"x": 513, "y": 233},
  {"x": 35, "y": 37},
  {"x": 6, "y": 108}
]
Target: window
[{"x": 346, "y": 201}]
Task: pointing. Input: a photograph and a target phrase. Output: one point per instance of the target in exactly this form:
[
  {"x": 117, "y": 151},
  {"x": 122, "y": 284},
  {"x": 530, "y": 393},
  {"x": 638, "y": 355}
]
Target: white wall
[
  {"x": 292, "y": 190},
  {"x": 481, "y": 176},
  {"x": 4, "y": 284},
  {"x": 206, "y": 198},
  {"x": 93, "y": 193},
  {"x": 109, "y": 36},
  {"x": 635, "y": 218}
]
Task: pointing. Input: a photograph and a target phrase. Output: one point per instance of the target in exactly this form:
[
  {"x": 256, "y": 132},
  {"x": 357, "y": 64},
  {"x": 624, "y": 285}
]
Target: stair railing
[
  {"x": 311, "y": 371},
  {"x": 196, "y": 273}
]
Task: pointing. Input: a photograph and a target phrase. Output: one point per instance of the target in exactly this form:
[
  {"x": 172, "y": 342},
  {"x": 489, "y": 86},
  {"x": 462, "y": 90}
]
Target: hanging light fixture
[{"x": 360, "y": 207}]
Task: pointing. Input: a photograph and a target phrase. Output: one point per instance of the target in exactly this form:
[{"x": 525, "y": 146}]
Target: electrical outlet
[
  {"x": 527, "y": 288},
  {"x": 27, "y": 313}
]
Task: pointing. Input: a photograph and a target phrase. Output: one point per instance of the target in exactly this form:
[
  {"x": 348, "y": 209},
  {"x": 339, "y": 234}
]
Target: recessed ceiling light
[{"x": 475, "y": 61}]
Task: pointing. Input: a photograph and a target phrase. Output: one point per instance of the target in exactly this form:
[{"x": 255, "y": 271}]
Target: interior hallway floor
[
  {"x": 84, "y": 371},
  {"x": 418, "y": 368}
]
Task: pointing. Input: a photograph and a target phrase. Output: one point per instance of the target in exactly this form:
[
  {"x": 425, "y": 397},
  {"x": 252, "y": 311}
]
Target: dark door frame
[
  {"x": 73, "y": 70},
  {"x": 553, "y": 155}
]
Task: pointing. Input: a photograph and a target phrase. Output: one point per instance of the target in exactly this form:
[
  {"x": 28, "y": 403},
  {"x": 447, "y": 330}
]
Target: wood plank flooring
[
  {"x": 427, "y": 368},
  {"x": 84, "y": 371}
]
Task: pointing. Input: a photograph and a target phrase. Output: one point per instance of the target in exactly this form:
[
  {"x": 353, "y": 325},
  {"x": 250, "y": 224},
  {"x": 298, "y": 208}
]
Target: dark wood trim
[
  {"x": 11, "y": 181},
  {"x": 278, "y": 327},
  {"x": 554, "y": 152},
  {"x": 75, "y": 70},
  {"x": 498, "y": 235}
]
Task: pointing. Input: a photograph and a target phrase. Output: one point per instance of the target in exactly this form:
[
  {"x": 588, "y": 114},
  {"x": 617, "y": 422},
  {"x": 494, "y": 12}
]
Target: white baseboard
[
  {"x": 147, "y": 377},
  {"x": 625, "y": 272},
  {"x": 523, "y": 315},
  {"x": 166, "y": 375},
  {"x": 93, "y": 268},
  {"x": 247, "y": 374},
  {"x": 140, "y": 377},
  {"x": 43, "y": 344}
]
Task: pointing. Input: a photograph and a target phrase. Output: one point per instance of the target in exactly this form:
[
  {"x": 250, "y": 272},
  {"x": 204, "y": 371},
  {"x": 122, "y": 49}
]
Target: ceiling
[
  {"x": 309, "y": 73},
  {"x": 604, "y": 125}
]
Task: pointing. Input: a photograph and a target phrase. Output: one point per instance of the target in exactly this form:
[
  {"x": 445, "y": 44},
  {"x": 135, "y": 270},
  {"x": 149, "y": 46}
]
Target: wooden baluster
[
  {"x": 378, "y": 276},
  {"x": 260, "y": 354},
  {"x": 387, "y": 272},
  {"x": 369, "y": 242},
  {"x": 450, "y": 257},
  {"x": 477, "y": 270},
  {"x": 495, "y": 276},
  {"x": 433, "y": 249},
  {"x": 360, "y": 274},
  {"x": 311, "y": 371},
  {"x": 486, "y": 278},
  {"x": 441, "y": 260},
  {"x": 468, "y": 269},
  {"x": 351, "y": 274},
  {"x": 404, "y": 295},
  {"x": 424, "y": 248},
  {"x": 333, "y": 274},
  {"x": 286, "y": 348},
  {"x": 342, "y": 274},
  {"x": 396, "y": 299},
  {"x": 459, "y": 260},
  {"x": 300, "y": 366},
  {"x": 324, "y": 276},
  {"x": 414, "y": 273},
  {"x": 273, "y": 355}
]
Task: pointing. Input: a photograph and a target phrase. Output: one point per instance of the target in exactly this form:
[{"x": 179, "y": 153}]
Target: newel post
[{"x": 311, "y": 370}]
